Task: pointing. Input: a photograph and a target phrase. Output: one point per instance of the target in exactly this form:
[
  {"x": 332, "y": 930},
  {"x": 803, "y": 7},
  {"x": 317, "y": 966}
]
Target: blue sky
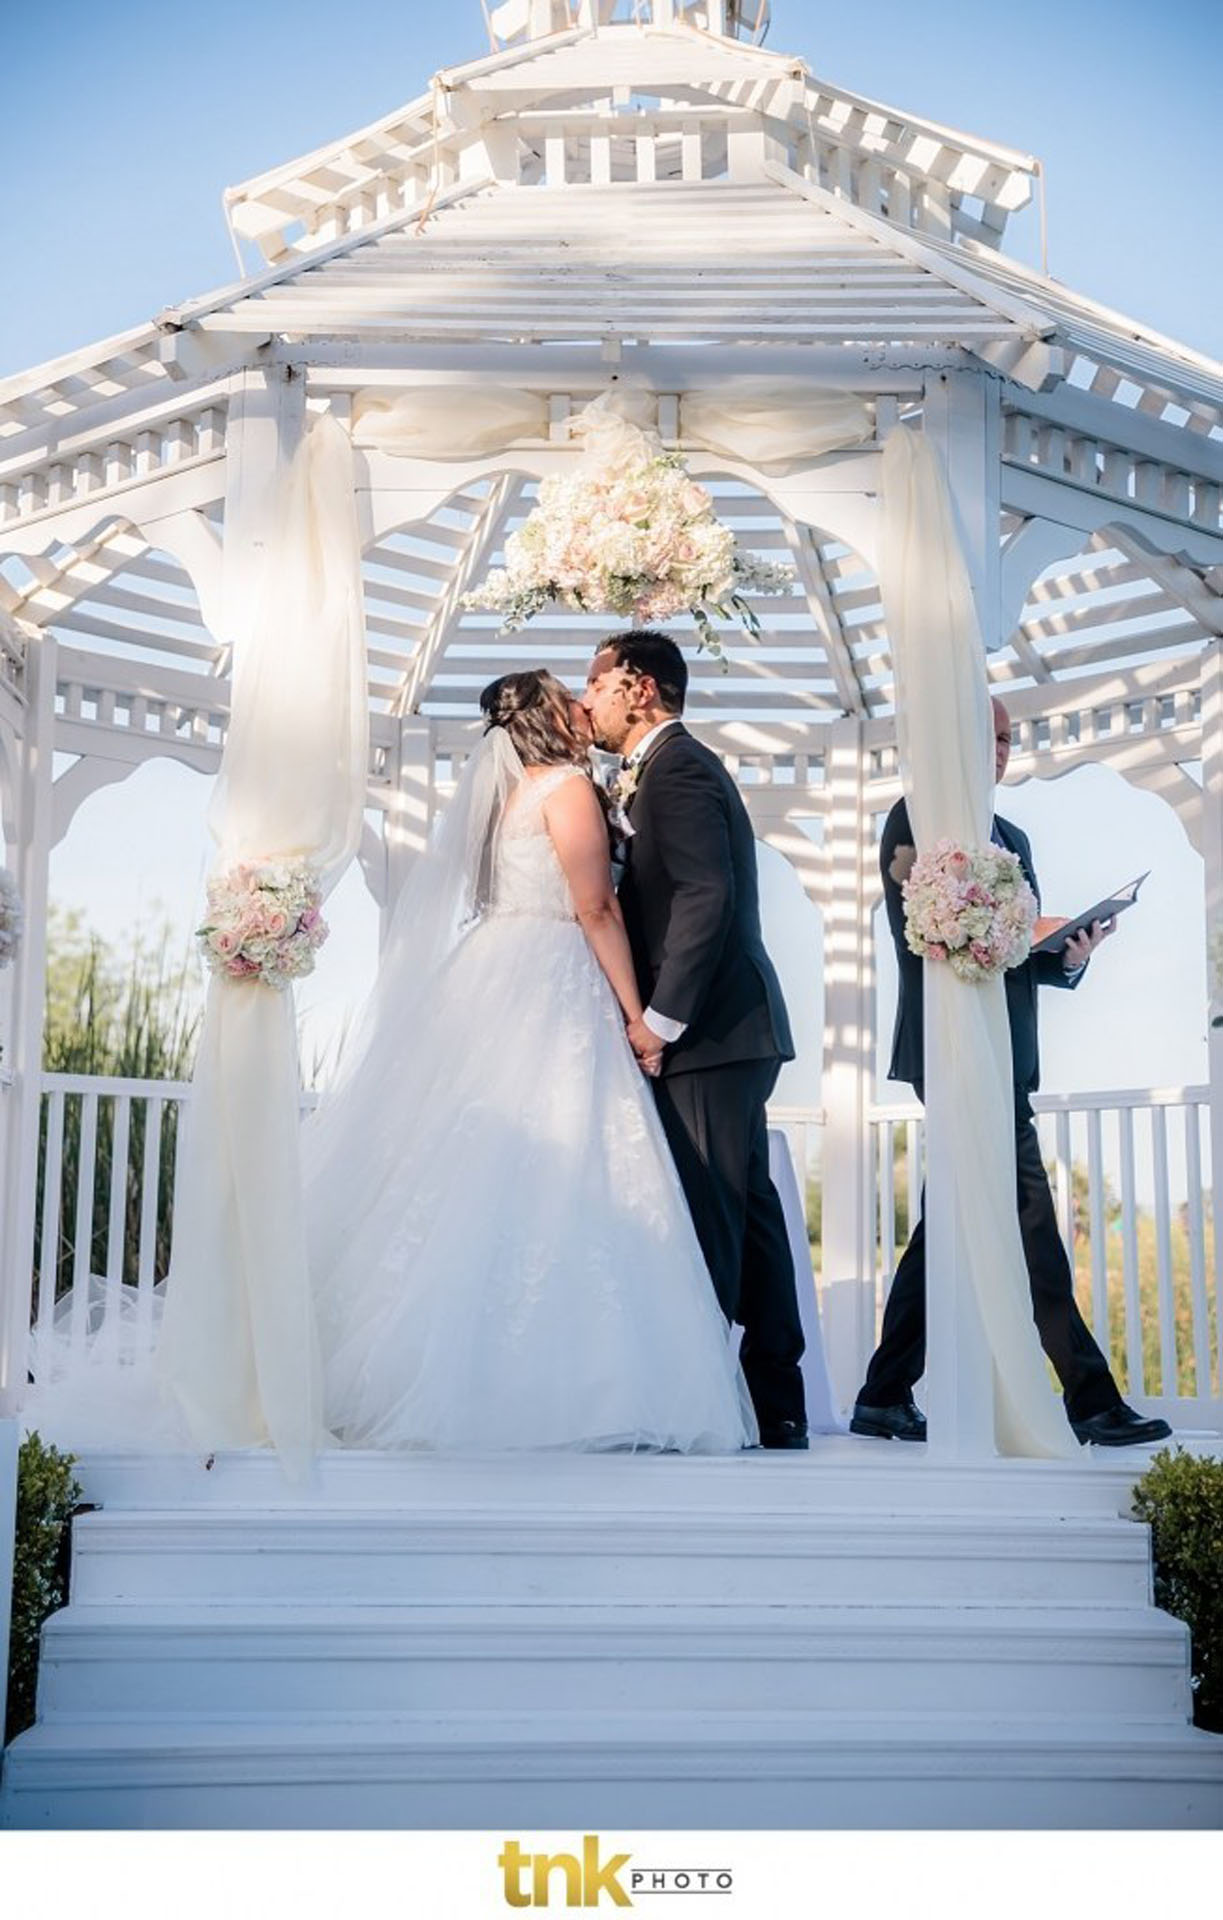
[{"x": 125, "y": 123}]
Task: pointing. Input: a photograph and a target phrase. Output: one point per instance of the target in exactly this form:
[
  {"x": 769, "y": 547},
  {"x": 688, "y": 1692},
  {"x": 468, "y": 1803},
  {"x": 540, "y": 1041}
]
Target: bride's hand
[{"x": 646, "y": 1045}]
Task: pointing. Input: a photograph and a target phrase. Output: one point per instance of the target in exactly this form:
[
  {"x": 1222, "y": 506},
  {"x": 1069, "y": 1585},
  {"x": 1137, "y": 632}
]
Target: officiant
[{"x": 885, "y": 1408}]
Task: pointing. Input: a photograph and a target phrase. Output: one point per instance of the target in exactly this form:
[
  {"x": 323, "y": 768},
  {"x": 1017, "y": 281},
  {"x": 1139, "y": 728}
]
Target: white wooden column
[
  {"x": 409, "y": 813},
  {"x": 848, "y": 1294},
  {"x": 962, "y": 425},
  {"x": 19, "y": 1114},
  {"x": 1212, "y": 854}
]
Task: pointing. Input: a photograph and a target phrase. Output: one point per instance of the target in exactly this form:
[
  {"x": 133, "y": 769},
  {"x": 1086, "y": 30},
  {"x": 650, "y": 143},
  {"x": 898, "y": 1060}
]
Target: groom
[{"x": 715, "y": 1029}]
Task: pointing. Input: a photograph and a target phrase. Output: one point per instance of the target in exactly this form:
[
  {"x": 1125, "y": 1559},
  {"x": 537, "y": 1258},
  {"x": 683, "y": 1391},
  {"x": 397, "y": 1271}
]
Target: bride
[{"x": 501, "y": 1252}]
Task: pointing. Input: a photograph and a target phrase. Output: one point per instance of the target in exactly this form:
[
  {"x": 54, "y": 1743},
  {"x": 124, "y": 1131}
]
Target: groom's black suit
[{"x": 691, "y": 909}]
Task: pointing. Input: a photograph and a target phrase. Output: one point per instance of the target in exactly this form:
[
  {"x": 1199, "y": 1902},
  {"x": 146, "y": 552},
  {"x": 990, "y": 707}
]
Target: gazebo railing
[
  {"x": 1148, "y": 1265},
  {"x": 1149, "y": 1276}
]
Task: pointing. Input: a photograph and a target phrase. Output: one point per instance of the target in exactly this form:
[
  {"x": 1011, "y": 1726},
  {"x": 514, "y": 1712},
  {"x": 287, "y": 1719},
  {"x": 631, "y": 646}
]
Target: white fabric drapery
[
  {"x": 239, "y": 1349},
  {"x": 447, "y": 423},
  {"x": 773, "y": 425},
  {"x": 946, "y": 759}
]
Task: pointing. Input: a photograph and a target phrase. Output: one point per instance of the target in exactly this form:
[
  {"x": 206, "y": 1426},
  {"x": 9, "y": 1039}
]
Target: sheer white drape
[
  {"x": 771, "y": 424},
  {"x": 946, "y": 760},
  {"x": 447, "y": 423},
  {"x": 239, "y": 1349}
]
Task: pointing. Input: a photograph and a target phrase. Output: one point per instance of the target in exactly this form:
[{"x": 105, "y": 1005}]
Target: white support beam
[
  {"x": 1036, "y": 545},
  {"x": 481, "y": 539},
  {"x": 1088, "y": 414},
  {"x": 1181, "y": 583},
  {"x": 195, "y": 543},
  {"x": 809, "y": 566},
  {"x": 848, "y": 1229},
  {"x": 554, "y": 366},
  {"x": 963, "y": 421},
  {"x": 1212, "y": 855},
  {"x": 409, "y": 810},
  {"x": 19, "y": 1103},
  {"x": 77, "y": 783},
  {"x": 142, "y": 501},
  {"x": 1069, "y": 503}
]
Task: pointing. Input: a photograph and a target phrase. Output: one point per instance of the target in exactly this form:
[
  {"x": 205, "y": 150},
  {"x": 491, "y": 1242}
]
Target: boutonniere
[{"x": 624, "y": 786}]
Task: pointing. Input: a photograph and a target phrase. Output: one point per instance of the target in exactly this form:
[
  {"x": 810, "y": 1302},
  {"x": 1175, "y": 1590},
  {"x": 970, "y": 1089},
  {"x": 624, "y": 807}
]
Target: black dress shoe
[
  {"x": 1120, "y": 1426},
  {"x": 787, "y": 1435},
  {"x": 903, "y": 1422}
]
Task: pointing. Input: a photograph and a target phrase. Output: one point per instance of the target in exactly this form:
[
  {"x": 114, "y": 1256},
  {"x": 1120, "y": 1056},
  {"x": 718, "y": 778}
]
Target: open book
[{"x": 1103, "y": 910}]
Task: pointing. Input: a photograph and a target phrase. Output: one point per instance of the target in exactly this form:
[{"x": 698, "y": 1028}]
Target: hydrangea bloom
[
  {"x": 973, "y": 908},
  {"x": 264, "y": 922}
]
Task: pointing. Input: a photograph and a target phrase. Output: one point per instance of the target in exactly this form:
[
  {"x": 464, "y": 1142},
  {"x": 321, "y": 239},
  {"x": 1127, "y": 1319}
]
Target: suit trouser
[
  {"x": 714, "y": 1120},
  {"x": 900, "y": 1358}
]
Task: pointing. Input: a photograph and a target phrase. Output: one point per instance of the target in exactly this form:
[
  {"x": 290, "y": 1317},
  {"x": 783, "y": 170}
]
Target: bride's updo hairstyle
[{"x": 534, "y": 708}]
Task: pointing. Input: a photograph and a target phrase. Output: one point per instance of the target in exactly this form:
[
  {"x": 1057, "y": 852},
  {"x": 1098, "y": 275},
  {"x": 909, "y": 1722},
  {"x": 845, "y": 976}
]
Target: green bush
[
  {"x": 1181, "y": 1498},
  {"x": 47, "y": 1493}
]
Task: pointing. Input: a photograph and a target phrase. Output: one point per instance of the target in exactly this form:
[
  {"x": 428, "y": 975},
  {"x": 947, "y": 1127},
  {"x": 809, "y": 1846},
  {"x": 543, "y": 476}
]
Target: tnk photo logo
[{"x": 572, "y": 1880}]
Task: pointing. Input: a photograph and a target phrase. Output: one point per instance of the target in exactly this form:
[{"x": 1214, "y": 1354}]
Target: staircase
[{"x": 849, "y": 1638}]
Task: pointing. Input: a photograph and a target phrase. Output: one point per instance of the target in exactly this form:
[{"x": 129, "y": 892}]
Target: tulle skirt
[{"x": 502, "y": 1256}]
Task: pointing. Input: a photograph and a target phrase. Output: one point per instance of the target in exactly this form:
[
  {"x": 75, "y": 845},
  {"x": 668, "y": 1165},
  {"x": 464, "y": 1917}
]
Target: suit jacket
[
  {"x": 691, "y": 909},
  {"x": 1038, "y": 970}
]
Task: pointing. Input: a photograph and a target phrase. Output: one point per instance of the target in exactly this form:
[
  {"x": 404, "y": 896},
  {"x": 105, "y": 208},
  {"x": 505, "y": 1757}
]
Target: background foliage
[
  {"x": 1181, "y": 1499},
  {"x": 46, "y": 1496}
]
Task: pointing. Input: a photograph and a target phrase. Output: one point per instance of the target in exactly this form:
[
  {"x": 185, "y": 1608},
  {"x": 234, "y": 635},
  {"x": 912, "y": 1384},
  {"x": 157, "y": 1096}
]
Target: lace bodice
[{"x": 527, "y": 876}]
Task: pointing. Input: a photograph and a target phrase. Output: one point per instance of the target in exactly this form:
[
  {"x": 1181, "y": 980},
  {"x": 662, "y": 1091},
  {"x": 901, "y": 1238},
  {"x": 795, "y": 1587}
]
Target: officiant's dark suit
[
  {"x": 899, "y": 1361},
  {"x": 691, "y": 910}
]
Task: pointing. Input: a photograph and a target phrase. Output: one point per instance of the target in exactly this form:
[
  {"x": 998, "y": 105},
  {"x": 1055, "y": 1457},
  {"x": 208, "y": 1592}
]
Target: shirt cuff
[{"x": 668, "y": 1030}]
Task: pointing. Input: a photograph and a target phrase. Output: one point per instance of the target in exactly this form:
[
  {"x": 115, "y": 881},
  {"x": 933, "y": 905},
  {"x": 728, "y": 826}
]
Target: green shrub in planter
[
  {"x": 1181, "y": 1498},
  {"x": 47, "y": 1493}
]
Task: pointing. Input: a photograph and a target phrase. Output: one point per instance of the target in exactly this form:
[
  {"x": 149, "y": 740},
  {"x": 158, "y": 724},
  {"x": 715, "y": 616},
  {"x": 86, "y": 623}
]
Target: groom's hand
[{"x": 646, "y": 1045}]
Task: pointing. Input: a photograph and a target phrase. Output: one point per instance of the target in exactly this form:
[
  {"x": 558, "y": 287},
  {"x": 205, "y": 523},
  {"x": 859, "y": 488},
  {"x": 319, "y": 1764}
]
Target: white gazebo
[{"x": 638, "y": 194}]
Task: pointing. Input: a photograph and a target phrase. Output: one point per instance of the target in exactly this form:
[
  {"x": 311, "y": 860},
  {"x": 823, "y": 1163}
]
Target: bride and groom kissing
[{"x": 539, "y": 1192}]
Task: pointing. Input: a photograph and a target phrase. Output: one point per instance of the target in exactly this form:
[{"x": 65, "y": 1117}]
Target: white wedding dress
[{"x": 501, "y": 1252}]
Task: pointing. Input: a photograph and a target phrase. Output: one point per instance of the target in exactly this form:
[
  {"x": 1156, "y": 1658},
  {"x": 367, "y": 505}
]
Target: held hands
[
  {"x": 1080, "y": 946},
  {"x": 647, "y": 1046}
]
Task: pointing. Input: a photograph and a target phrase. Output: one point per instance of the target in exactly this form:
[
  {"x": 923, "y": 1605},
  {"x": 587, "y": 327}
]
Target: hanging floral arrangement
[{"x": 629, "y": 533}]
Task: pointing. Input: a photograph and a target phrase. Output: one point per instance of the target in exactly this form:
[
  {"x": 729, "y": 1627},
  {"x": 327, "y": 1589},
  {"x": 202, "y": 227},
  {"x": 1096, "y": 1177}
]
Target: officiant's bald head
[{"x": 1002, "y": 738}]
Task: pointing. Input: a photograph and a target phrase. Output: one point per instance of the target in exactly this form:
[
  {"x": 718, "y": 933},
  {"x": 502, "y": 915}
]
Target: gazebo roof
[{"x": 671, "y": 202}]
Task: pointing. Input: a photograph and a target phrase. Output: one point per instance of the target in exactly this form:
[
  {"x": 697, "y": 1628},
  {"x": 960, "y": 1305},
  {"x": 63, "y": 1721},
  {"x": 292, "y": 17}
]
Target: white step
[
  {"x": 279, "y": 1659},
  {"x": 575, "y": 1553},
  {"x": 608, "y": 1772},
  {"x": 840, "y": 1474}
]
